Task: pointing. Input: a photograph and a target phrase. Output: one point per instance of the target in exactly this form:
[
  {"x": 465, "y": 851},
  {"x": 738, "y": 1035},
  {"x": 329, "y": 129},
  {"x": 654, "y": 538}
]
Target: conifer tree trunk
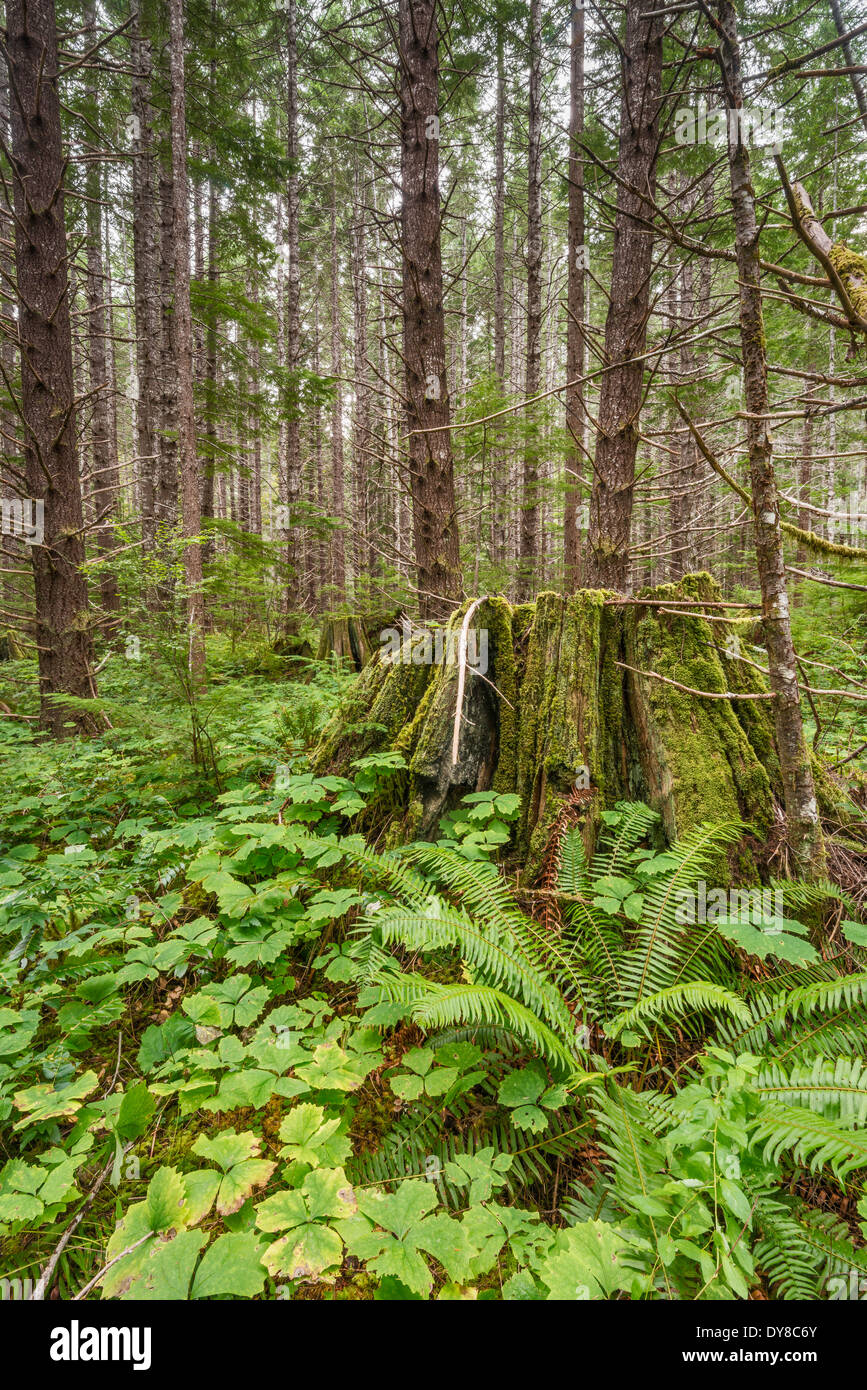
[
  {"x": 626, "y": 323},
  {"x": 854, "y": 76},
  {"x": 145, "y": 289},
  {"x": 361, "y": 413},
  {"x": 802, "y": 814},
  {"x": 293, "y": 319},
  {"x": 338, "y": 504},
  {"x": 104, "y": 480},
  {"x": 191, "y": 518},
  {"x": 575, "y": 346},
  {"x": 167, "y": 482},
  {"x": 12, "y": 548},
  {"x": 500, "y": 464},
  {"x": 210, "y": 372},
  {"x": 684, "y": 557},
  {"x": 435, "y": 525},
  {"x": 528, "y": 548},
  {"x": 210, "y": 346},
  {"x": 47, "y": 391}
]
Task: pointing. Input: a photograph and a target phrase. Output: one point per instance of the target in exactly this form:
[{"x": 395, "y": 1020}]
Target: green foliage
[{"x": 404, "y": 1055}]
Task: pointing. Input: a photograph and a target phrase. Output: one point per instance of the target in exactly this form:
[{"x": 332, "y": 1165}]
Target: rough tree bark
[
  {"x": 191, "y": 516},
  {"x": 802, "y": 813},
  {"x": 575, "y": 336},
  {"x": 528, "y": 548},
  {"x": 104, "y": 481},
  {"x": 210, "y": 371},
  {"x": 361, "y": 409},
  {"x": 500, "y": 464},
  {"x": 47, "y": 393},
  {"x": 435, "y": 525},
  {"x": 684, "y": 550},
  {"x": 338, "y": 502},
  {"x": 628, "y": 310},
  {"x": 144, "y": 271},
  {"x": 167, "y": 475},
  {"x": 857, "y": 84},
  {"x": 293, "y": 321},
  {"x": 12, "y": 548}
]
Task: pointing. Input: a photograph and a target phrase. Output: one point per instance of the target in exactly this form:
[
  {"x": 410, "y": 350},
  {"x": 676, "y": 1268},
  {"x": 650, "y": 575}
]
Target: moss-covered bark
[{"x": 558, "y": 709}]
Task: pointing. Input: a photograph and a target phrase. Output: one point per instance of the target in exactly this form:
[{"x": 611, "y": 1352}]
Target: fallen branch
[
  {"x": 831, "y": 583},
  {"x": 38, "y": 1294},
  {"x": 805, "y": 538},
  {"x": 704, "y": 694},
  {"x": 845, "y": 269},
  {"x": 91, "y": 1283}
]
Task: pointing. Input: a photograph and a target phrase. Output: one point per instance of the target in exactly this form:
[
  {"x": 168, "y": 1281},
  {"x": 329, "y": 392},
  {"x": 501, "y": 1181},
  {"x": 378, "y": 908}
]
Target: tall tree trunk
[
  {"x": 575, "y": 344},
  {"x": 255, "y": 421},
  {"x": 855, "y": 79},
  {"x": 145, "y": 289},
  {"x": 684, "y": 552},
  {"x": 47, "y": 392},
  {"x": 528, "y": 551},
  {"x": 210, "y": 363},
  {"x": 105, "y": 465},
  {"x": 321, "y": 565},
  {"x": 191, "y": 517},
  {"x": 12, "y": 548},
  {"x": 628, "y": 310},
  {"x": 361, "y": 411},
  {"x": 167, "y": 487},
  {"x": 294, "y": 549},
  {"x": 435, "y": 525},
  {"x": 802, "y": 815},
  {"x": 210, "y": 374},
  {"x": 500, "y": 465},
  {"x": 338, "y": 501}
]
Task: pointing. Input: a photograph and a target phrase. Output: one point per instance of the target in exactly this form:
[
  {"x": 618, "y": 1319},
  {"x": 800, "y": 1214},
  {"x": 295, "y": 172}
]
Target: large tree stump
[
  {"x": 559, "y": 708},
  {"x": 344, "y": 638}
]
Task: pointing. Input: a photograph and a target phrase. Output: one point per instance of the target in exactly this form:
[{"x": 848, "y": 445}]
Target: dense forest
[{"x": 433, "y": 651}]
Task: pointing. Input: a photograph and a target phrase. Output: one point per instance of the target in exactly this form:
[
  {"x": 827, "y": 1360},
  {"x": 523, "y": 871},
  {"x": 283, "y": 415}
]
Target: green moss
[
  {"x": 380, "y": 702},
  {"x": 559, "y": 712},
  {"x": 496, "y": 615},
  {"x": 697, "y": 756},
  {"x": 558, "y": 699},
  {"x": 852, "y": 270}
]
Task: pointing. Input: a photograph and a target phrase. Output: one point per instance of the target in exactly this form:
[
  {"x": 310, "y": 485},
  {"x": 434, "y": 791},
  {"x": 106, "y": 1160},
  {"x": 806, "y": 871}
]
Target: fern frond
[
  {"x": 573, "y": 874},
  {"x": 438, "y": 1006},
  {"x": 835, "y": 1088},
  {"x": 809, "y": 1139},
  {"x": 800, "y": 1249},
  {"x": 699, "y": 996},
  {"x": 665, "y": 951},
  {"x": 801, "y": 897},
  {"x": 614, "y": 844},
  {"x": 388, "y": 869},
  {"x": 492, "y": 952},
  {"x": 826, "y": 1017}
]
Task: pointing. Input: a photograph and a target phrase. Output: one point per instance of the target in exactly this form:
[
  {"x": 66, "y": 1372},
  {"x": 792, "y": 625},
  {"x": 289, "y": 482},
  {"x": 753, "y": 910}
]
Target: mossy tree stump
[
  {"x": 566, "y": 702},
  {"x": 344, "y": 638}
]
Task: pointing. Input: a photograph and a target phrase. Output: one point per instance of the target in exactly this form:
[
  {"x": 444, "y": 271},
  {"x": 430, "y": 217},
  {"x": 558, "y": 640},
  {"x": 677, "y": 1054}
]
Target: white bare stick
[
  {"x": 38, "y": 1294},
  {"x": 462, "y": 674},
  {"x": 92, "y": 1283}
]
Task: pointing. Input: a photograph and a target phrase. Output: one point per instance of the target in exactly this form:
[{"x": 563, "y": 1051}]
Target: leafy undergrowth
[{"x": 244, "y": 1054}]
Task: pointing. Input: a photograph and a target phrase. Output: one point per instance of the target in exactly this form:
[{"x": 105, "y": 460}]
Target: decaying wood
[{"x": 581, "y": 691}]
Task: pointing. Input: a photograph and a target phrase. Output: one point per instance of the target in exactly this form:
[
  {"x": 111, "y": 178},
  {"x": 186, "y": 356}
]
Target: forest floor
[{"x": 246, "y": 1053}]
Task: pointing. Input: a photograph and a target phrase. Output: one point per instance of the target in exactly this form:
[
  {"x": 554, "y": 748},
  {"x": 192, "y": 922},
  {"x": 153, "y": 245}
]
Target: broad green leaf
[{"x": 232, "y": 1265}]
